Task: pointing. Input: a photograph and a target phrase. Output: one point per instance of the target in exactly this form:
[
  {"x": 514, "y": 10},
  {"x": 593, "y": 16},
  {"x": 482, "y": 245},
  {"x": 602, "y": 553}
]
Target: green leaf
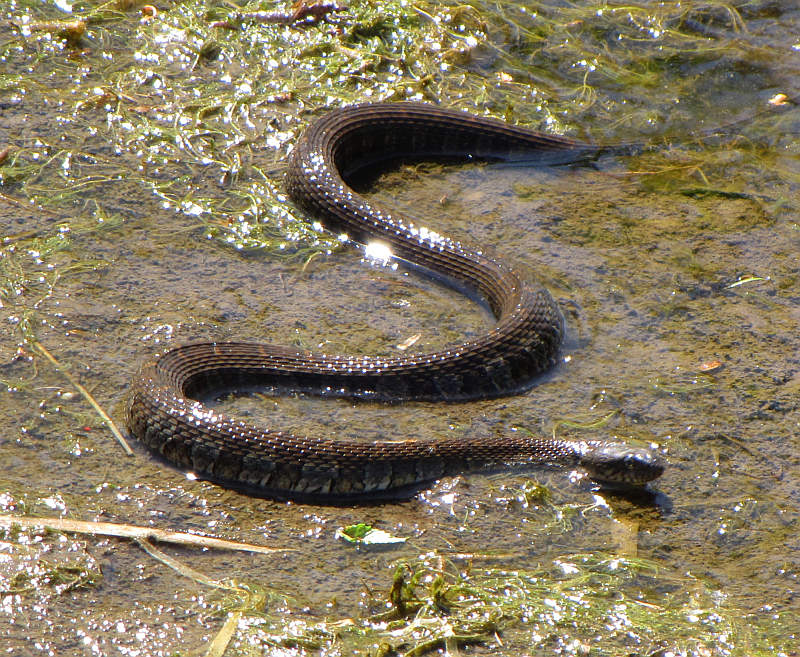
[{"x": 363, "y": 534}]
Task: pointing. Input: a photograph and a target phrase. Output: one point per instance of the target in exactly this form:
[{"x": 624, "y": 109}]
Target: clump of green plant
[{"x": 580, "y": 604}]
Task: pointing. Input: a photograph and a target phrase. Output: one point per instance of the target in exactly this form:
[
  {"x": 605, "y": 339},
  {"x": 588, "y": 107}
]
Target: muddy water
[{"x": 681, "y": 294}]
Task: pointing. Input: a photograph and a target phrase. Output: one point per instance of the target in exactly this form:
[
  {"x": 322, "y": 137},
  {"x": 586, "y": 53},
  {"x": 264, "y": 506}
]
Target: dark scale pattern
[{"x": 524, "y": 343}]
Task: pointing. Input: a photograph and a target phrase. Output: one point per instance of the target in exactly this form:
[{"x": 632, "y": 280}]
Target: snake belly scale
[{"x": 164, "y": 412}]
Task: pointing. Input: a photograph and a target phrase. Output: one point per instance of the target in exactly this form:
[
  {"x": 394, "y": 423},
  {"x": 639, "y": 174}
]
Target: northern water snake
[{"x": 165, "y": 415}]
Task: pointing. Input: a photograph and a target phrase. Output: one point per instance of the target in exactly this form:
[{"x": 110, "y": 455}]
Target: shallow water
[{"x": 121, "y": 206}]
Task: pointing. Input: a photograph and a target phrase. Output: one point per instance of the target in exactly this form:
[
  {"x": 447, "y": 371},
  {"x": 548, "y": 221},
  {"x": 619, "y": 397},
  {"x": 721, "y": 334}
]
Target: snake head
[{"x": 619, "y": 463}]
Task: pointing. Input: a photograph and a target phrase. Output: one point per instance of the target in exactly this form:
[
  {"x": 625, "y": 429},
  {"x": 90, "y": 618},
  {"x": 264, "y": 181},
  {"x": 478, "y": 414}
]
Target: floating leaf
[{"x": 363, "y": 534}]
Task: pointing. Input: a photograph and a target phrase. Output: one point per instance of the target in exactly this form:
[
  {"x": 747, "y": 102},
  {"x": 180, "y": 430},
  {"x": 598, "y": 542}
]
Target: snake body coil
[{"x": 163, "y": 412}]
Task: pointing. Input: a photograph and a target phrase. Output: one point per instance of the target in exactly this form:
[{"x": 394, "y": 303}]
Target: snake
[{"x": 167, "y": 414}]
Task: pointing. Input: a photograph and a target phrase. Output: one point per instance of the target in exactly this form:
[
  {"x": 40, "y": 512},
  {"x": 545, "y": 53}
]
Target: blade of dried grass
[
  {"x": 219, "y": 645},
  {"x": 181, "y": 568},
  {"x": 86, "y": 394},
  {"x": 134, "y": 532}
]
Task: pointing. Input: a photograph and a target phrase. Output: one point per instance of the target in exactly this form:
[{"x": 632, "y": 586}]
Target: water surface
[{"x": 141, "y": 206}]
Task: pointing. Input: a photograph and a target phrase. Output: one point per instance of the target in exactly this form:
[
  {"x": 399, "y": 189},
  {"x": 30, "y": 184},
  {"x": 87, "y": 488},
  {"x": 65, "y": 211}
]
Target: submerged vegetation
[
  {"x": 197, "y": 104},
  {"x": 576, "y": 604},
  {"x": 123, "y": 122}
]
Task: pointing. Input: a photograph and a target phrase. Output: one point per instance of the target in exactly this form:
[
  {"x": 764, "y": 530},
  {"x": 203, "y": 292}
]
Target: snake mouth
[{"x": 622, "y": 464}]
